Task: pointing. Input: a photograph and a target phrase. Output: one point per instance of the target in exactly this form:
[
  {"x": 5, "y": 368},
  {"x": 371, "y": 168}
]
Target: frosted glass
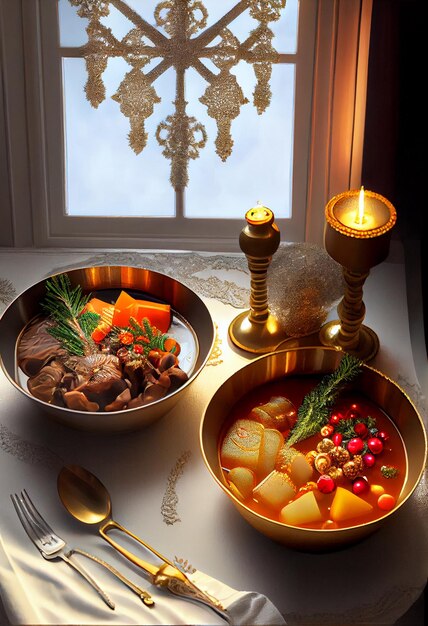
[
  {"x": 72, "y": 27},
  {"x": 260, "y": 166},
  {"x": 104, "y": 176}
]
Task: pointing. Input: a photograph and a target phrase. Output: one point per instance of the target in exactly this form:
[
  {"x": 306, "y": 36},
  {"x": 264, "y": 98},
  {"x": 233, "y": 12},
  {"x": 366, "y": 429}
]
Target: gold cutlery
[
  {"x": 39, "y": 530},
  {"x": 87, "y": 499},
  {"x": 49, "y": 544}
]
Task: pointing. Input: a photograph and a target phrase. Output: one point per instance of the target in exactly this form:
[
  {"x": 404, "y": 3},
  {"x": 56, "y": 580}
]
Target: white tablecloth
[{"x": 374, "y": 582}]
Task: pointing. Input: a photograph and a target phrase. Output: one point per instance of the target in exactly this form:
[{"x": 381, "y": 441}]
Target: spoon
[{"x": 87, "y": 499}]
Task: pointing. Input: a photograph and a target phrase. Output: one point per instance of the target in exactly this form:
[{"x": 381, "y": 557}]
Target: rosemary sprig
[
  {"x": 313, "y": 413},
  {"x": 346, "y": 426},
  {"x": 143, "y": 335},
  {"x": 64, "y": 305}
]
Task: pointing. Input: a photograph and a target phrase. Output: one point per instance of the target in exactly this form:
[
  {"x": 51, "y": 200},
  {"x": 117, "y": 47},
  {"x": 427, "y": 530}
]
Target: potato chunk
[
  {"x": 241, "y": 482},
  {"x": 272, "y": 442},
  {"x": 295, "y": 464},
  {"x": 303, "y": 510},
  {"x": 275, "y": 490},
  {"x": 347, "y": 505},
  {"x": 241, "y": 444},
  {"x": 277, "y": 413}
]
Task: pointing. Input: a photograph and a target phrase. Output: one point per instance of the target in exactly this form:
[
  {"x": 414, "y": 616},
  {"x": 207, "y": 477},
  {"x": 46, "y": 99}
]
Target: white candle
[{"x": 361, "y": 212}]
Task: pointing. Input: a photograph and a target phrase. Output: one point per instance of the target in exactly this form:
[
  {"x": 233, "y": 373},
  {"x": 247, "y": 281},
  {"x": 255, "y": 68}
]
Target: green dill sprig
[
  {"x": 64, "y": 305},
  {"x": 313, "y": 413},
  {"x": 389, "y": 471}
]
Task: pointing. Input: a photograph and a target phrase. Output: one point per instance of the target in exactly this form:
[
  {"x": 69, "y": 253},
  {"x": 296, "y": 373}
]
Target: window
[
  {"x": 96, "y": 138},
  {"x": 63, "y": 189}
]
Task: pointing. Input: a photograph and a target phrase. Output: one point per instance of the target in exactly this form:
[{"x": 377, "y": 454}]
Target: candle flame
[
  {"x": 359, "y": 218},
  {"x": 259, "y": 215}
]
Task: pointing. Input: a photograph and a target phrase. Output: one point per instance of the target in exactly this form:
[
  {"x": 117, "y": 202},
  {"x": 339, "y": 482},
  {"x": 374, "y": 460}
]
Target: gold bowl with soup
[{"x": 311, "y": 470}]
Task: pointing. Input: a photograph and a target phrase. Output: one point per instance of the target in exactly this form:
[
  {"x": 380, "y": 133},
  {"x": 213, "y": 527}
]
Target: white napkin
[
  {"x": 35, "y": 591},
  {"x": 244, "y": 608}
]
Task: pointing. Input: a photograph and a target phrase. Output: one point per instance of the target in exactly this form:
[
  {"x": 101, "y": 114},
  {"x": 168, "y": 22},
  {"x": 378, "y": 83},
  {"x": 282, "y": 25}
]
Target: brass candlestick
[
  {"x": 357, "y": 235},
  {"x": 257, "y": 330}
]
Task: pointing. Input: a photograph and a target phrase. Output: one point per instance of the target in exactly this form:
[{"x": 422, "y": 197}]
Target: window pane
[
  {"x": 260, "y": 166},
  {"x": 104, "y": 176},
  {"x": 71, "y": 26},
  {"x": 285, "y": 29}
]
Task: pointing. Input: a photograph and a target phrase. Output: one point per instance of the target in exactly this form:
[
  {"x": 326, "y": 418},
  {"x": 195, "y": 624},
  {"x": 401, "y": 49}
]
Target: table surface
[{"x": 160, "y": 487}]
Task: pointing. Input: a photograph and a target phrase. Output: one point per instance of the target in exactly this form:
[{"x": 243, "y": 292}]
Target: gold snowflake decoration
[{"x": 186, "y": 43}]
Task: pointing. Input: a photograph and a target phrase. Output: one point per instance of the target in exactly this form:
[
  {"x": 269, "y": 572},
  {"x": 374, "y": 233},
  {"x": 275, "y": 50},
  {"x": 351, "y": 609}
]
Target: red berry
[
  {"x": 359, "y": 486},
  {"x": 335, "y": 418},
  {"x": 361, "y": 429},
  {"x": 353, "y": 414},
  {"x": 369, "y": 460},
  {"x": 337, "y": 439},
  {"x": 383, "y": 435},
  {"x": 326, "y": 484},
  {"x": 355, "y": 445},
  {"x": 375, "y": 445}
]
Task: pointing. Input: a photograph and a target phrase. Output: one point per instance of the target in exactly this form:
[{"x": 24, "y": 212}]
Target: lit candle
[
  {"x": 258, "y": 330},
  {"x": 259, "y": 215},
  {"x": 357, "y": 235},
  {"x": 360, "y": 213},
  {"x": 364, "y": 212}
]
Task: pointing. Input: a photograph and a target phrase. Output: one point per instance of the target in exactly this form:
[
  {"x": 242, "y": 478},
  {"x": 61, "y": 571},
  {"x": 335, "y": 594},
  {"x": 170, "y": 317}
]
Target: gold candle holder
[
  {"x": 357, "y": 235},
  {"x": 258, "y": 330}
]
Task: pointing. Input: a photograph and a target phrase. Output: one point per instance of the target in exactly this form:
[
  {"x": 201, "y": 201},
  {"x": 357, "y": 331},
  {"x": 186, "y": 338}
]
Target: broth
[{"x": 393, "y": 453}]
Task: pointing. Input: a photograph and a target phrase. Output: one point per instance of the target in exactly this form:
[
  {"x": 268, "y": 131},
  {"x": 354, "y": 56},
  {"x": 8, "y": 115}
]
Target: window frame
[{"x": 34, "y": 196}]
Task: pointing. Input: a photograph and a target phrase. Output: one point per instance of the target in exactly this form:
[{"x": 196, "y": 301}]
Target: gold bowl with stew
[
  {"x": 286, "y": 371},
  {"x": 190, "y": 322}
]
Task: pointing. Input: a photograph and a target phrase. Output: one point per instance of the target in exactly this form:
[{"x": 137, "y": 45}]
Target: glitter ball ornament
[
  {"x": 304, "y": 284},
  {"x": 326, "y": 430},
  {"x": 336, "y": 473},
  {"x": 322, "y": 462},
  {"x": 358, "y": 460},
  {"x": 350, "y": 470},
  {"x": 339, "y": 455},
  {"x": 325, "y": 445}
]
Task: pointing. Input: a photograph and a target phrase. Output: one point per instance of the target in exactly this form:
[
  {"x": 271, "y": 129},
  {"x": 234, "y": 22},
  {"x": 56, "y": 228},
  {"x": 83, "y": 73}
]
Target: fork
[
  {"x": 49, "y": 544},
  {"x": 25, "y": 508}
]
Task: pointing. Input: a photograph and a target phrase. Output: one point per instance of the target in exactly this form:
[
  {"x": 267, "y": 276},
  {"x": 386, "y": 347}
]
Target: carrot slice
[
  {"x": 121, "y": 313},
  {"x": 104, "y": 309},
  {"x": 159, "y": 315}
]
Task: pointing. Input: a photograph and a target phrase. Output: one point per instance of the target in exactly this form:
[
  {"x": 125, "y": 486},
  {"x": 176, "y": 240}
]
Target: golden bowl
[
  {"x": 308, "y": 361},
  {"x": 190, "y": 311}
]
